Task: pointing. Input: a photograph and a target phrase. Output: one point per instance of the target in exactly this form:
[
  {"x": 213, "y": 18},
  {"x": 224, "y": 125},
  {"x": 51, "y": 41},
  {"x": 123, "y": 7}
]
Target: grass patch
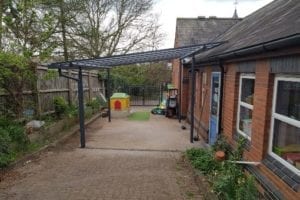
[{"x": 139, "y": 116}]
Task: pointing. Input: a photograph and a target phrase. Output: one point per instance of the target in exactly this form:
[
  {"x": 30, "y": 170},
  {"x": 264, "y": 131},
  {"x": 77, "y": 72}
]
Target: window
[
  {"x": 245, "y": 105},
  {"x": 285, "y": 126}
]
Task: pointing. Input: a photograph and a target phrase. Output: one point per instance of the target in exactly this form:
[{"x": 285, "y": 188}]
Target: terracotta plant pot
[{"x": 220, "y": 155}]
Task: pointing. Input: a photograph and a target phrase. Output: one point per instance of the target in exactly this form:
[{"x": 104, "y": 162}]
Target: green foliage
[
  {"x": 228, "y": 179},
  {"x": 203, "y": 160},
  {"x": 18, "y": 137},
  {"x": 4, "y": 141},
  {"x": 221, "y": 145},
  {"x": 150, "y": 74},
  {"x": 13, "y": 140},
  {"x": 51, "y": 74},
  {"x": 237, "y": 154},
  {"x": 29, "y": 28},
  {"x": 95, "y": 104},
  {"x": 17, "y": 73},
  {"x": 72, "y": 111},
  {"x": 60, "y": 106},
  {"x": 248, "y": 190},
  {"x": 88, "y": 112}
]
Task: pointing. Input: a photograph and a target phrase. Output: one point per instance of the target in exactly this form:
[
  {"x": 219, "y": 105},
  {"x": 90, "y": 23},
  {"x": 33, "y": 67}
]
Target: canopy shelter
[{"x": 119, "y": 60}]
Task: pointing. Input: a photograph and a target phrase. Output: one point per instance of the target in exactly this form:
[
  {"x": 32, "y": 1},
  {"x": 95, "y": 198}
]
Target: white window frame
[
  {"x": 246, "y": 105},
  {"x": 284, "y": 119}
]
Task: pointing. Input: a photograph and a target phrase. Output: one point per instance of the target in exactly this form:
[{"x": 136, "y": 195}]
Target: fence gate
[{"x": 144, "y": 95}]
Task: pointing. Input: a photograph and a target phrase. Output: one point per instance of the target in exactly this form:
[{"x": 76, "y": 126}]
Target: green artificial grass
[{"x": 139, "y": 116}]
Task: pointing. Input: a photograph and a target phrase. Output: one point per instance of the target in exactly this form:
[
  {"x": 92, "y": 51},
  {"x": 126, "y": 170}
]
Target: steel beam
[
  {"x": 192, "y": 100},
  {"x": 108, "y": 94},
  {"x": 179, "y": 90},
  {"x": 81, "y": 109}
]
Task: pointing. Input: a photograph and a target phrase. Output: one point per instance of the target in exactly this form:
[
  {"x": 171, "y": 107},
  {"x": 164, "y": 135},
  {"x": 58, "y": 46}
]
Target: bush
[
  {"x": 60, "y": 106},
  {"x": 13, "y": 140},
  {"x": 228, "y": 179},
  {"x": 72, "y": 111},
  {"x": 19, "y": 139},
  {"x": 203, "y": 159},
  {"x": 222, "y": 145},
  {"x": 94, "y": 104}
]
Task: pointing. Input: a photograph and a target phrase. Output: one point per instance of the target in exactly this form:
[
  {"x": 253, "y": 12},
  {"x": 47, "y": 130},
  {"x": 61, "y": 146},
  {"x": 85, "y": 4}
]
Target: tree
[
  {"x": 107, "y": 27},
  {"x": 17, "y": 73},
  {"x": 64, "y": 12},
  {"x": 29, "y": 28},
  {"x": 141, "y": 74},
  {"x": 3, "y": 6}
]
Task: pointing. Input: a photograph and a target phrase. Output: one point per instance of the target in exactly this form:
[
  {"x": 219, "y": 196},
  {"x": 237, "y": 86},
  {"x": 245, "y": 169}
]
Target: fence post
[{"x": 37, "y": 93}]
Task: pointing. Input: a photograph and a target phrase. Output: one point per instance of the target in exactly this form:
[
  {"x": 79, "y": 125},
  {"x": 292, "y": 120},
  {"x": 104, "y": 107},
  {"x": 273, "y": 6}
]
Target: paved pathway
[{"x": 123, "y": 160}]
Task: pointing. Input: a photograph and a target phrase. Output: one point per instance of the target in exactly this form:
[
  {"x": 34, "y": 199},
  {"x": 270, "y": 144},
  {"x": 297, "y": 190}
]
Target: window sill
[{"x": 285, "y": 174}]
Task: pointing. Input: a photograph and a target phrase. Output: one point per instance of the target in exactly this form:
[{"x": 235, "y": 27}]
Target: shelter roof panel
[{"x": 127, "y": 59}]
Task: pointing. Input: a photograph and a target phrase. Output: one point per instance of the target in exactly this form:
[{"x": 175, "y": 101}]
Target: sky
[{"x": 169, "y": 10}]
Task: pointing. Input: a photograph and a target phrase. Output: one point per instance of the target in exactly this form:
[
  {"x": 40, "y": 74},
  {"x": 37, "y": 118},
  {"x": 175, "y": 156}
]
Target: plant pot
[{"x": 220, "y": 155}]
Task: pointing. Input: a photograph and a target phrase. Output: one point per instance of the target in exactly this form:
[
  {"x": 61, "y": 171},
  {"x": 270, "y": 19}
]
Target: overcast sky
[{"x": 169, "y": 10}]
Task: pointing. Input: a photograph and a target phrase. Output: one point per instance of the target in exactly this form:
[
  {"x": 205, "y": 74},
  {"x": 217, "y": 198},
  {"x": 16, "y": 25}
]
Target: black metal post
[
  {"x": 81, "y": 109},
  {"x": 160, "y": 93},
  {"x": 143, "y": 96},
  {"x": 109, "y": 94},
  {"x": 179, "y": 90},
  {"x": 221, "y": 97},
  {"x": 192, "y": 100}
]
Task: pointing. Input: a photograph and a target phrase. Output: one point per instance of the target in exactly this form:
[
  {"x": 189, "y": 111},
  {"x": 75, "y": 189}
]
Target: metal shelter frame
[{"x": 127, "y": 59}]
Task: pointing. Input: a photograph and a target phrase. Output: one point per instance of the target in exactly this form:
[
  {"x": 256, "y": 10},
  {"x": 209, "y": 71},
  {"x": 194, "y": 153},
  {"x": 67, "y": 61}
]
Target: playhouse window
[
  {"x": 285, "y": 125},
  {"x": 245, "y": 105}
]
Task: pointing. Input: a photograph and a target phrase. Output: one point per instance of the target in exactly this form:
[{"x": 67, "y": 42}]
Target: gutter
[{"x": 289, "y": 41}]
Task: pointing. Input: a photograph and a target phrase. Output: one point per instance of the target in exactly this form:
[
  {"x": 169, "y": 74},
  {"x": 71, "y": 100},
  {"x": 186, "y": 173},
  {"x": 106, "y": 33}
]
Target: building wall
[{"x": 257, "y": 149}]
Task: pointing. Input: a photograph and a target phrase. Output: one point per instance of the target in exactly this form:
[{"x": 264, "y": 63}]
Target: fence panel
[{"x": 48, "y": 88}]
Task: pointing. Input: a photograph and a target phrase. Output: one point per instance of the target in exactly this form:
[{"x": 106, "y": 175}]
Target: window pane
[
  {"x": 288, "y": 99},
  {"x": 245, "y": 123},
  {"x": 247, "y": 90},
  {"x": 286, "y": 142}
]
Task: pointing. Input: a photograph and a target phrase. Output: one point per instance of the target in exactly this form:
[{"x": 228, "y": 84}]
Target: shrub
[
  {"x": 94, "y": 104},
  {"x": 19, "y": 139},
  {"x": 203, "y": 159},
  {"x": 221, "y": 145},
  {"x": 13, "y": 140},
  {"x": 17, "y": 73},
  {"x": 72, "y": 111},
  {"x": 4, "y": 141},
  {"x": 60, "y": 106},
  {"x": 228, "y": 179}
]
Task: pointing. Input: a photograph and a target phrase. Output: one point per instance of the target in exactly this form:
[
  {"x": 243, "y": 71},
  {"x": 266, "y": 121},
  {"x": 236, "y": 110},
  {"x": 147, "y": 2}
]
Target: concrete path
[{"x": 123, "y": 160}]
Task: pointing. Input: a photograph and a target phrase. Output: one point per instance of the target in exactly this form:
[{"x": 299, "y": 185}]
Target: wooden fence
[{"x": 48, "y": 88}]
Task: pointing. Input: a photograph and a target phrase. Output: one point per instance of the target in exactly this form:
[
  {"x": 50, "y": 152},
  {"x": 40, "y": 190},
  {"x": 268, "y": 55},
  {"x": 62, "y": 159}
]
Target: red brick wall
[
  {"x": 230, "y": 100},
  {"x": 261, "y": 111},
  {"x": 263, "y": 94},
  {"x": 175, "y": 72},
  {"x": 185, "y": 98},
  {"x": 202, "y": 112}
]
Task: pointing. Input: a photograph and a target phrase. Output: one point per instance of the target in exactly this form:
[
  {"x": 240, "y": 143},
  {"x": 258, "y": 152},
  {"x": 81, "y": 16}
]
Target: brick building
[{"x": 249, "y": 86}]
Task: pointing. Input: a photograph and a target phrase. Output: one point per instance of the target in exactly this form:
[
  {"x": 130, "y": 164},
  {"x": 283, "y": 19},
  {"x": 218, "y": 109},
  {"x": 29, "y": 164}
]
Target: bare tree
[{"x": 107, "y": 27}]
